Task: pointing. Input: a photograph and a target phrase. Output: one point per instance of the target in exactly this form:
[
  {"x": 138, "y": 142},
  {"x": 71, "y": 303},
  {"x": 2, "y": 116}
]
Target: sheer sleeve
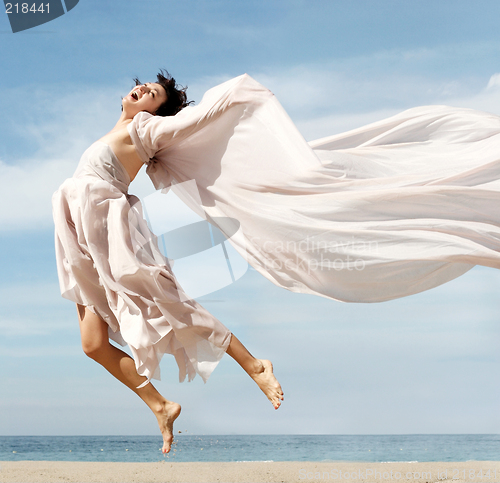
[{"x": 155, "y": 137}]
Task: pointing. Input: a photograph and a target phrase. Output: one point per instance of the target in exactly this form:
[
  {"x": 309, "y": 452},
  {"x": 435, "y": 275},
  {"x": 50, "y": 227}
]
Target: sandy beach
[{"x": 88, "y": 472}]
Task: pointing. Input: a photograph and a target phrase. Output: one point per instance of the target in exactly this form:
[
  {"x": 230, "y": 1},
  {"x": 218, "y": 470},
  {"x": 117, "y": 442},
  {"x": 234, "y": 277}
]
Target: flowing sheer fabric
[{"x": 381, "y": 212}]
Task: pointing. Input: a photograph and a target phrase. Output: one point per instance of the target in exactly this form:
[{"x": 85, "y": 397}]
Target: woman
[
  {"x": 385, "y": 211},
  {"x": 133, "y": 296}
]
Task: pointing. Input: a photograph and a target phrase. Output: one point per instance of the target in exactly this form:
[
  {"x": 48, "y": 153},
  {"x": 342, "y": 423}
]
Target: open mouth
[{"x": 135, "y": 95}]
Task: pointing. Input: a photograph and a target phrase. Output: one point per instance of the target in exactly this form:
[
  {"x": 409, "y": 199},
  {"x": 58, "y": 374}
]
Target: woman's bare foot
[
  {"x": 269, "y": 385},
  {"x": 166, "y": 416}
]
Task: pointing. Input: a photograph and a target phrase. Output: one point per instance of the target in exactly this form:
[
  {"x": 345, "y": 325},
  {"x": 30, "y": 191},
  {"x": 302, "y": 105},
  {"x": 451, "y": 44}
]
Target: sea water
[{"x": 370, "y": 448}]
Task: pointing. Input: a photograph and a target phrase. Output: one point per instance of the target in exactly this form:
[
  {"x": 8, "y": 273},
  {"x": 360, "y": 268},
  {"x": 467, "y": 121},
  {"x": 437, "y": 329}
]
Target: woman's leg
[
  {"x": 95, "y": 343},
  {"x": 260, "y": 370}
]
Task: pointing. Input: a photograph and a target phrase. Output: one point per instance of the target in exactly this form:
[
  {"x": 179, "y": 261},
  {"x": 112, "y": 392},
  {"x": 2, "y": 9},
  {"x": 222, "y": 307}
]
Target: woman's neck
[{"x": 122, "y": 123}]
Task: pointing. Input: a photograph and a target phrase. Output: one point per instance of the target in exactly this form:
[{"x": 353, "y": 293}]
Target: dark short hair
[{"x": 176, "y": 94}]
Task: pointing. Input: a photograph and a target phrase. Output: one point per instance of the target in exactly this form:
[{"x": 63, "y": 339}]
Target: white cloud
[{"x": 494, "y": 82}]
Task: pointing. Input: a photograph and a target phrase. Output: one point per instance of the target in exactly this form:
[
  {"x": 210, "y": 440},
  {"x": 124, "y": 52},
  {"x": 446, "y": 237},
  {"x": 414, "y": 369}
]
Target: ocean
[{"x": 372, "y": 448}]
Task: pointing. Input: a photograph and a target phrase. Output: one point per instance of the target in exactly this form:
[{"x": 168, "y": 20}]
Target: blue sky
[{"x": 423, "y": 364}]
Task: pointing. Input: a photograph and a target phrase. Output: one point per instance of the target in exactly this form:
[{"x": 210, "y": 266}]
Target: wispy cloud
[
  {"x": 341, "y": 94},
  {"x": 322, "y": 99},
  {"x": 58, "y": 129},
  {"x": 33, "y": 309},
  {"x": 53, "y": 351}
]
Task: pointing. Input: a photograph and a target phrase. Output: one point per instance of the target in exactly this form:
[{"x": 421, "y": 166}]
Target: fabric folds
[
  {"x": 381, "y": 212},
  {"x": 108, "y": 260}
]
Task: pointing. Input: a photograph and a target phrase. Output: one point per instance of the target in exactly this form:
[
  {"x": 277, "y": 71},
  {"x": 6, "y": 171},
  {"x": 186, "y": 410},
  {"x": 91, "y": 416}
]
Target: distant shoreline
[{"x": 290, "y": 472}]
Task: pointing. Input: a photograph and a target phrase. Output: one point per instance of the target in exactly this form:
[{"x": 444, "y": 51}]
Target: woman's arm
[{"x": 151, "y": 134}]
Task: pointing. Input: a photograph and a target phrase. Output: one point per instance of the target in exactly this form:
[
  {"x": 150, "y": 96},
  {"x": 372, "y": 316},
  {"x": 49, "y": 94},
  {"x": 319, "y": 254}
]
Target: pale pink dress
[
  {"x": 108, "y": 260},
  {"x": 381, "y": 212}
]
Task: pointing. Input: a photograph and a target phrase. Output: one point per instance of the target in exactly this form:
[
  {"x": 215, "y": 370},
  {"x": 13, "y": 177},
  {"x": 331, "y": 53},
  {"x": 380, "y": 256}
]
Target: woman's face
[{"x": 146, "y": 97}]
